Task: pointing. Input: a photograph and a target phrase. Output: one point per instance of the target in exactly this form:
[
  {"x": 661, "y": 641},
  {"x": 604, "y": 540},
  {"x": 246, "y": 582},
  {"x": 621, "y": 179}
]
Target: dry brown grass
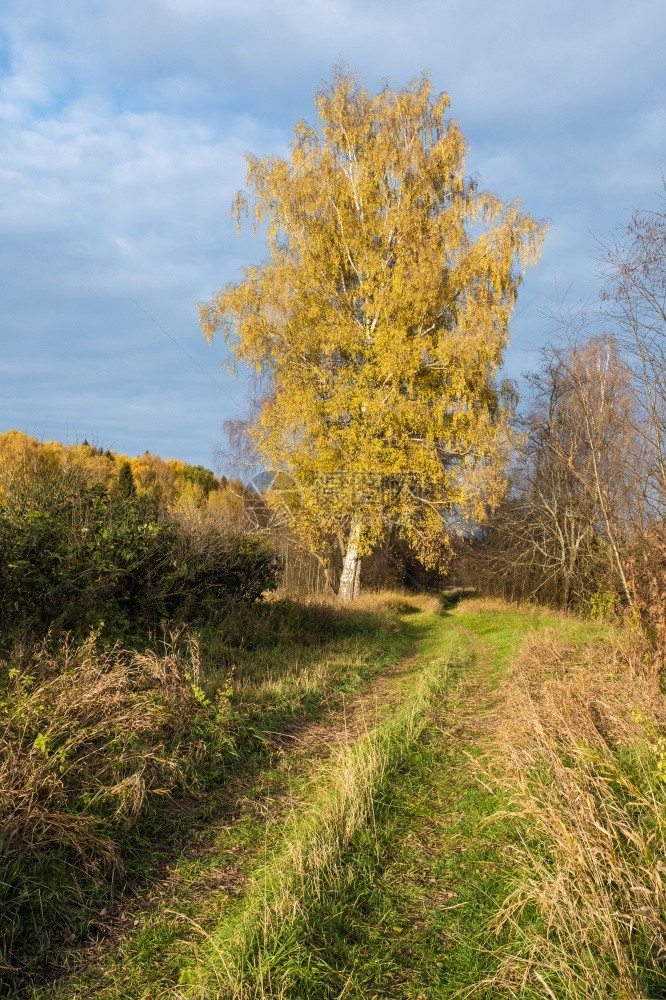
[
  {"x": 372, "y": 601},
  {"x": 581, "y": 750},
  {"x": 492, "y": 605},
  {"x": 89, "y": 741},
  {"x": 400, "y": 601}
]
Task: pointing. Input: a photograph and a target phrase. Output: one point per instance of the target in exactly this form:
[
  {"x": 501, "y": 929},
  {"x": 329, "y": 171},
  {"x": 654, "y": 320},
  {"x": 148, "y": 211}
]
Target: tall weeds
[
  {"x": 90, "y": 744},
  {"x": 582, "y": 753}
]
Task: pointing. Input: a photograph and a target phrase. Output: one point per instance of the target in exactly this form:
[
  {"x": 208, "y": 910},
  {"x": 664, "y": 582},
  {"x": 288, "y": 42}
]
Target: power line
[{"x": 188, "y": 355}]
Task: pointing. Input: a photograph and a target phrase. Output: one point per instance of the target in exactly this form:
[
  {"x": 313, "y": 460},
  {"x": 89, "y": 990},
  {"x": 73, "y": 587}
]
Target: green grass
[
  {"x": 306, "y": 660},
  {"x": 284, "y": 662},
  {"x": 407, "y": 911},
  {"x": 370, "y": 870}
]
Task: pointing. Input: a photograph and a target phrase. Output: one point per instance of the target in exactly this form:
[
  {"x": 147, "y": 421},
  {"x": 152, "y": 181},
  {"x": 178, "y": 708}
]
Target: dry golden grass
[
  {"x": 375, "y": 601},
  {"x": 497, "y": 605},
  {"x": 581, "y": 749},
  {"x": 392, "y": 602},
  {"x": 89, "y": 741},
  {"x": 61, "y": 718}
]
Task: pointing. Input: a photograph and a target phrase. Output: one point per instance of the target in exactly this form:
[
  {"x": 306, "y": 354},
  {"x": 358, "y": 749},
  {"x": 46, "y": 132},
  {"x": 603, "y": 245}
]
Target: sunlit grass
[
  {"x": 437, "y": 850},
  {"x": 272, "y": 666}
]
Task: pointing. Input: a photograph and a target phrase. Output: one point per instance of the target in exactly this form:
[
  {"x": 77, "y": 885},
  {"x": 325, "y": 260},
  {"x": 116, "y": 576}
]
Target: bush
[
  {"x": 210, "y": 566},
  {"x": 77, "y": 553}
]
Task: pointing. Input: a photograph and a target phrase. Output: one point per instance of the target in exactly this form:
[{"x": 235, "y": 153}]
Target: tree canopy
[{"x": 378, "y": 323}]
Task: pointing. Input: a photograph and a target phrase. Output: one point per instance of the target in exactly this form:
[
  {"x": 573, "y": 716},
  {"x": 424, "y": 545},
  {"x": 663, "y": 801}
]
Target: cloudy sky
[{"x": 123, "y": 128}]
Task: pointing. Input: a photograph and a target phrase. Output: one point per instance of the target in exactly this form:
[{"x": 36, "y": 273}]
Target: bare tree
[
  {"x": 560, "y": 535},
  {"x": 635, "y": 302}
]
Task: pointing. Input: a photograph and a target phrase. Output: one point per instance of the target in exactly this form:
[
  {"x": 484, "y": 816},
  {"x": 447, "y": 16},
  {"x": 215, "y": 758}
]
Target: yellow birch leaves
[{"x": 379, "y": 320}]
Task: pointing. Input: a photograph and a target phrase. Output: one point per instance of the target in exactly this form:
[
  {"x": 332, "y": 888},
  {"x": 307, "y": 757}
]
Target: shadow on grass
[
  {"x": 448, "y": 599},
  {"x": 286, "y": 621}
]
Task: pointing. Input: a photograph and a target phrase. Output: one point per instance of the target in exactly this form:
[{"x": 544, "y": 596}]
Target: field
[{"x": 399, "y": 800}]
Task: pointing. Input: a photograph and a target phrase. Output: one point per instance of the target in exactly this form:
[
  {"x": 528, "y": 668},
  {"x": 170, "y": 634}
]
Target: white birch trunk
[{"x": 350, "y": 578}]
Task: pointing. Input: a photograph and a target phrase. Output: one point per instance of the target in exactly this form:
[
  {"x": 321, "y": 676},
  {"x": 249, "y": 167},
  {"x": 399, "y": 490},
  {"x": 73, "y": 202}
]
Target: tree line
[
  {"x": 583, "y": 524},
  {"x": 95, "y": 540}
]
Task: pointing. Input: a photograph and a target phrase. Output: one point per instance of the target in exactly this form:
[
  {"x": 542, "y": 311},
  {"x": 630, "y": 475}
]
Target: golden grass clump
[
  {"x": 581, "y": 751},
  {"x": 397, "y": 601},
  {"x": 89, "y": 741},
  {"x": 474, "y": 604}
]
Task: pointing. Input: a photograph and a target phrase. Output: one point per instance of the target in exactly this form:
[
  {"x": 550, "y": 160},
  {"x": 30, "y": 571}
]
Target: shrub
[{"x": 76, "y": 553}]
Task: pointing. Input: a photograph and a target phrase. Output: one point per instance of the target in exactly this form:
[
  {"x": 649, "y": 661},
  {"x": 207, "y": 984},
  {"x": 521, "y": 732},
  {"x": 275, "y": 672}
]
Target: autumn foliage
[
  {"x": 95, "y": 540},
  {"x": 377, "y": 325}
]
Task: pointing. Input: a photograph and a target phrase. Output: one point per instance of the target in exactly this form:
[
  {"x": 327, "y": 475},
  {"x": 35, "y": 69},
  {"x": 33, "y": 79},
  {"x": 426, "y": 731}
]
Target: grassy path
[
  {"x": 364, "y": 862},
  {"x": 407, "y": 917}
]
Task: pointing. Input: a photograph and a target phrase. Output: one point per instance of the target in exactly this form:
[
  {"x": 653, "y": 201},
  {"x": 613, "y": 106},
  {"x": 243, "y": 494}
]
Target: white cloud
[{"x": 123, "y": 132}]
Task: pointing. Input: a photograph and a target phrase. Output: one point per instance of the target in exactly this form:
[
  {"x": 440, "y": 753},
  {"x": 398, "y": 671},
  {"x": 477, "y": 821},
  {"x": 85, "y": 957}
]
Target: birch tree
[{"x": 377, "y": 324}]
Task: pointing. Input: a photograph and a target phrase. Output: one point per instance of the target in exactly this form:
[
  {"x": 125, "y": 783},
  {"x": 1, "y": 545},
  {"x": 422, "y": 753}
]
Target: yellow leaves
[
  {"x": 380, "y": 319},
  {"x": 222, "y": 508},
  {"x": 25, "y": 460}
]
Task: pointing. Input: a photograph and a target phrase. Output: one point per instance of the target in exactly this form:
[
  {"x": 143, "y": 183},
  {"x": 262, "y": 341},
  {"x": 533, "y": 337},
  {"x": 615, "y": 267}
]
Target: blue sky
[{"x": 123, "y": 127}]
